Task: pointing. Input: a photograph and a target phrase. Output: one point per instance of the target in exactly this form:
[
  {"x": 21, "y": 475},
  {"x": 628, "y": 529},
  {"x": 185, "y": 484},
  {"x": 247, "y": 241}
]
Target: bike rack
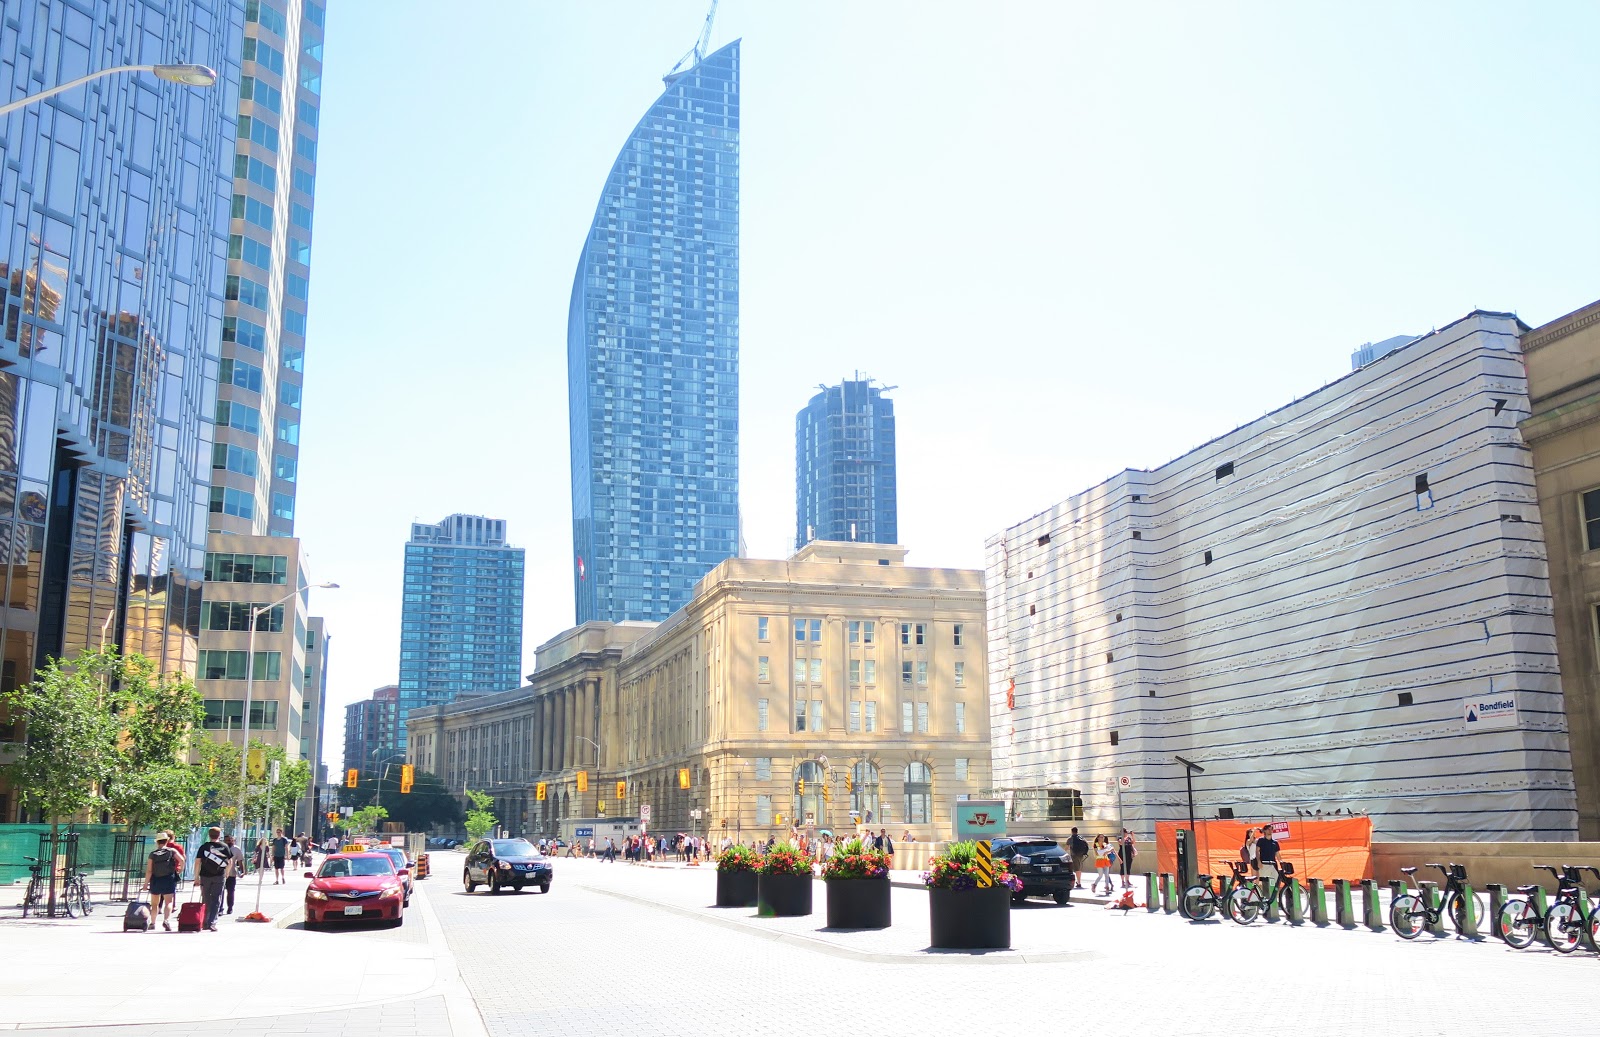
[
  {"x": 1497, "y": 903},
  {"x": 1430, "y": 900},
  {"x": 1469, "y": 914},
  {"x": 1372, "y": 906},
  {"x": 1318, "y": 896},
  {"x": 1152, "y": 892},
  {"x": 1169, "y": 897},
  {"x": 1297, "y": 903},
  {"x": 1344, "y": 911}
]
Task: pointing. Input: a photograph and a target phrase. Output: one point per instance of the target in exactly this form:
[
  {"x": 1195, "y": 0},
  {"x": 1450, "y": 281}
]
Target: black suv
[
  {"x": 506, "y": 864},
  {"x": 1041, "y": 864}
]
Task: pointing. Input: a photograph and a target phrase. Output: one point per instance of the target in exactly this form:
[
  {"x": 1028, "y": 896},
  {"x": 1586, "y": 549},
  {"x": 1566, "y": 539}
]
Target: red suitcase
[{"x": 191, "y": 917}]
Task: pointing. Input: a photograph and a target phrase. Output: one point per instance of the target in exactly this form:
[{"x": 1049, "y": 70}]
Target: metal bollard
[
  {"x": 1430, "y": 897},
  {"x": 1497, "y": 903},
  {"x": 1372, "y": 906},
  {"x": 1169, "y": 898},
  {"x": 1344, "y": 909},
  {"x": 1469, "y": 914},
  {"x": 1319, "y": 902},
  {"x": 1297, "y": 903},
  {"x": 1152, "y": 892}
]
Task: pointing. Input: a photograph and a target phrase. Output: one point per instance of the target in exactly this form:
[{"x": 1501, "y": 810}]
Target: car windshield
[
  {"x": 397, "y": 856},
  {"x": 514, "y": 848},
  {"x": 345, "y": 867},
  {"x": 1034, "y": 847}
]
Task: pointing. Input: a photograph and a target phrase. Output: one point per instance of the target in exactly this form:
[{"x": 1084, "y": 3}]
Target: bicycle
[
  {"x": 1409, "y": 915},
  {"x": 1246, "y": 902},
  {"x": 34, "y": 895},
  {"x": 1566, "y": 923},
  {"x": 76, "y": 895},
  {"x": 1200, "y": 901}
]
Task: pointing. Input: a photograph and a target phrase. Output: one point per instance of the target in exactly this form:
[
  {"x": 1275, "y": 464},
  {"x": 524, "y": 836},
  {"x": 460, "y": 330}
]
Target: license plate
[
  {"x": 353, "y": 909},
  {"x": 1047, "y": 867}
]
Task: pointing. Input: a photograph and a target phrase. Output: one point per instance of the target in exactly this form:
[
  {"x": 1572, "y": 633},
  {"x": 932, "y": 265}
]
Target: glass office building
[
  {"x": 844, "y": 466},
  {"x": 653, "y": 356},
  {"x": 460, "y": 613}
]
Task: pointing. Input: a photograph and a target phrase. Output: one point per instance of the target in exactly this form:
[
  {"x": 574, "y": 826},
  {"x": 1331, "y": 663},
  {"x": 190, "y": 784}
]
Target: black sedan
[
  {"x": 1041, "y": 864},
  {"x": 506, "y": 864}
]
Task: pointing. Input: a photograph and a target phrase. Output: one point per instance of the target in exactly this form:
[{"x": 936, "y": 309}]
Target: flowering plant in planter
[
  {"x": 852, "y": 860},
  {"x": 784, "y": 859},
  {"x": 957, "y": 868},
  {"x": 738, "y": 858}
]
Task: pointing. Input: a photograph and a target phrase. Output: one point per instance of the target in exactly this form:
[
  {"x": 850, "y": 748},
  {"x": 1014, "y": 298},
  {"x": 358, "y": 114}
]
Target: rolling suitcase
[
  {"x": 137, "y": 917},
  {"x": 191, "y": 917}
]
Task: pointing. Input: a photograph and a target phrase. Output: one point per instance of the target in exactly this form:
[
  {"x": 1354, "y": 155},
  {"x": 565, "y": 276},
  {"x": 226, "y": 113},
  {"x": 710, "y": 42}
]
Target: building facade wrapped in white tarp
[{"x": 1341, "y": 607}]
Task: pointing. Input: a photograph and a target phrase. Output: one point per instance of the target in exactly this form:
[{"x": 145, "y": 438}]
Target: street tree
[
  {"x": 71, "y": 735},
  {"x": 365, "y": 820},
  {"x": 480, "y": 820},
  {"x": 149, "y": 783}
]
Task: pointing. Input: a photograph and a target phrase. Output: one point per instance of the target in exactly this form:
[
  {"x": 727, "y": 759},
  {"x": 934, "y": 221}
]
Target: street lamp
[
  {"x": 1190, "y": 769},
  {"x": 185, "y": 75},
  {"x": 598, "y": 791},
  {"x": 256, "y": 613}
]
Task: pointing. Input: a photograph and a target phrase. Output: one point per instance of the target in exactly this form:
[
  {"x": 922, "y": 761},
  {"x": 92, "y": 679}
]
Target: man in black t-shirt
[
  {"x": 213, "y": 863},
  {"x": 1267, "y": 856}
]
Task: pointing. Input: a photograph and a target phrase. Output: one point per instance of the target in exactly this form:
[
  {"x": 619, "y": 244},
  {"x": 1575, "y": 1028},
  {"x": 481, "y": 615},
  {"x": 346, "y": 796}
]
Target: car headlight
[
  {"x": 504, "y": 865},
  {"x": 1019, "y": 859},
  {"x": 316, "y": 894},
  {"x": 389, "y": 892}
]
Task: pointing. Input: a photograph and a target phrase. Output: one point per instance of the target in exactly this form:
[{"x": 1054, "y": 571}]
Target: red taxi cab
[{"x": 355, "y": 887}]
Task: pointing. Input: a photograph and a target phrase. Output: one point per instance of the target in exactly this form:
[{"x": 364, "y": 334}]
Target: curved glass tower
[{"x": 653, "y": 356}]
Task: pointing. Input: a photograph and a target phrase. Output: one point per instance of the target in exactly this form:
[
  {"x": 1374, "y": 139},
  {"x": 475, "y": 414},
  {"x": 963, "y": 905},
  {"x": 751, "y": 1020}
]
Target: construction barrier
[
  {"x": 422, "y": 865},
  {"x": 1318, "y": 849}
]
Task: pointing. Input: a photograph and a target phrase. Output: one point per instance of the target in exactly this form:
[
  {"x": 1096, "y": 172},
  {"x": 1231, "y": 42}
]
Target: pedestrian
[
  {"x": 888, "y": 844},
  {"x": 1078, "y": 850},
  {"x": 280, "y": 852},
  {"x": 332, "y": 845},
  {"x": 235, "y": 852},
  {"x": 907, "y": 837},
  {"x": 161, "y": 871},
  {"x": 1267, "y": 857},
  {"x": 1247, "y": 852},
  {"x": 177, "y": 848},
  {"x": 305, "y": 850},
  {"x": 1125, "y": 859},
  {"x": 1102, "y": 864},
  {"x": 213, "y": 865}
]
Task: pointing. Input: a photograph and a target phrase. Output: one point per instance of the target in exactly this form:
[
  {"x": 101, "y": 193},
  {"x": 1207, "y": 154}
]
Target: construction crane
[{"x": 697, "y": 52}]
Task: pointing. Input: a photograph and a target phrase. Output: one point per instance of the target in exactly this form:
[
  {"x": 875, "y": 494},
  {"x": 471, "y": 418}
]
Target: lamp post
[
  {"x": 1190, "y": 769},
  {"x": 187, "y": 75},
  {"x": 256, "y": 612},
  {"x": 593, "y": 777}
]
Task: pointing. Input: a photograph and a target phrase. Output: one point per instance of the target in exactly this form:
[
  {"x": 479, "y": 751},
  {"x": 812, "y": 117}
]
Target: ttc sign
[{"x": 979, "y": 818}]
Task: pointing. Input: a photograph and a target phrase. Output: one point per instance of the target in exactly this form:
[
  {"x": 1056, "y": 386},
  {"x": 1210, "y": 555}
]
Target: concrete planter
[
  {"x": 781, "y": 896},
  {"x": 736, "y": 889},
  {"x": 858, "y": 903},
  {"x": 970, "y": 919}
]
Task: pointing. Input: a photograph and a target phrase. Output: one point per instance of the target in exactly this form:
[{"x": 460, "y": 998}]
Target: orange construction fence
[{"x": 1324, "y": 850}]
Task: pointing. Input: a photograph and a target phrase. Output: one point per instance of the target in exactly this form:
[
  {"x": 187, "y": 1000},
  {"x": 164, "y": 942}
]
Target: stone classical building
[
  {"x": 841, "y": 667},
  {"x": 1563, "y": 431}
]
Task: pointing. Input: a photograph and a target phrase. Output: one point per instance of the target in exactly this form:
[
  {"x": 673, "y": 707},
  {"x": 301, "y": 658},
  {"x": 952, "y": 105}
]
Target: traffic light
[
  {"x": 407, "y": 774},
  {"x": 539, "y": 791},
  {"x": 683, "y": 777},
  {"x": 622, "y": 791},
  {"x": 827, "y": 794},
  {"x": 849, "y": 783},
  {"x": 352, "y": 777},
  {"x": 800, "y": 786},
  {"x": 333, "y": 817},
  {"x": 583, "y": 781}
]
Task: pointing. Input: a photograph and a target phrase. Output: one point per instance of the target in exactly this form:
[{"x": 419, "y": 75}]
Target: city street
[{"x": 618, "y": 942}]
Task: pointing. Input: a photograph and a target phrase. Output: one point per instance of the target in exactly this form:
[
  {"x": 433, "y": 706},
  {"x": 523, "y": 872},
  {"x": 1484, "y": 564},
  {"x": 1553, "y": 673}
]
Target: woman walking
[
  {"x": 1102, "y": 864},
  {"x": 1125, "y": 859},
  {"x": 161, "y": 879}
]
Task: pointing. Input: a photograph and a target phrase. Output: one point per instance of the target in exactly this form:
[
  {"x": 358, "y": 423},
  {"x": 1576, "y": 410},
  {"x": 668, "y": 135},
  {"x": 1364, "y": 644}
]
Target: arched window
[
  {"x": 810, "y": 808},
  {"x": 864, "y": 792},
  {"x": 919, "y": 793}
]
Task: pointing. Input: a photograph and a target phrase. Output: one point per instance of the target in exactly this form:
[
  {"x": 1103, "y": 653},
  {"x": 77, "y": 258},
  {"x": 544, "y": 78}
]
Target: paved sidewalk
[{"x": 66, "y": 976}]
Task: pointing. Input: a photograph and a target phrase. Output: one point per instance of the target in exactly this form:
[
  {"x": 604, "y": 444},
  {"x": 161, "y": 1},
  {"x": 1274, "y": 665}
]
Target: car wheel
[
  {"x": 1063, "y": 897},
  {"x": 544, "y": 887},
  {"x": 466, "y": 880},
  {"x": 494, "y": 884}
]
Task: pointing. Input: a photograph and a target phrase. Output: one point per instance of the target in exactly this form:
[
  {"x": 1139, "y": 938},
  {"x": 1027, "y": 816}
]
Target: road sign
[
  {"x": 276, "y": 770},
  {"x": 1124, "y": 782},
  {"x": 985, "y": 861},
  {"x": 644, "y": 811},
  {"x": 1111, "y": 785},
  {"x": 1280, "y": 830},
  {"x": 696, "y": 814},
  {"x": 582, "y": 832},
  {"x": 979, "y": 818},
  {"x": 1498, "y": 710},
  {"x": 256, "y": 763}
]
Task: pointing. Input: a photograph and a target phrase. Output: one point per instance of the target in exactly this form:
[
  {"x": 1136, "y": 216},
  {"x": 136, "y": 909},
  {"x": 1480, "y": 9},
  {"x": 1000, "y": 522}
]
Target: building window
[
  {"x": 763, "y": 669},
  {"x": 961, "y": 768},
  {"x": 761, "y": 714},
  {"x": 855, "y": 717},
  {"x": 872, "y": 717},
  {"x": 230, "y": 666},
  {"x": 816, "y": 714},
  {"x": 922, "y": 718},
  {"x": 800, "y": 714},
  {"x": 235, "y": 615},
  {"x": 763, "y": 768},
  {"x": 961, "y": 718},
  {"x": 905, "y": 633},
  {"x": 905, "y": 673},
  {"x": 1591, "y": 519},
  {"x": 872, "y": 671},
  {"x": 922, "y": 633},
  {"x": 763, "y": 809},
  {"x": 227, "y": 714},
  {"x": 906, "y": 717},
  {"x": 816, "y": 671},
  {"x": 956, "y": 637},
  {"x": 761, "y": 627},
  {"x": 816, "y": 631},
  {"x": 855, "y": 671},
  {"x": 869, "y": 632},
  {"x": 922, "y": 673},
  {"x": 799, "y": 630},
  {"x": 961, "y": 674},
  {"x": 799, "y": 671},
  {"x": 855, "y": 632},
  {"x": 919, "y": 793},
  {"x": 864, "y": 791}
]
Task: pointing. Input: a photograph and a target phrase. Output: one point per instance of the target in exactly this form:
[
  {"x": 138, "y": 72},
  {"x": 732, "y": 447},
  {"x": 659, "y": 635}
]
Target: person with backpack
[
  {"x": 1078, "y": 850},
  {"x": 1125, "y": 859},
  {"x": 213, "y": 864},
  {"x": 161, "y": 870},
  {"x": 280, "y": 852}
]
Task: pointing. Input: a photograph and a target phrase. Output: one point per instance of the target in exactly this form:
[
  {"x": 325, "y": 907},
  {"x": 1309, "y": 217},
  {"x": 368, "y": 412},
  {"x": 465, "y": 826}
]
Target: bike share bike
[
  {"x": 1411, "y": 913},
  {"x": 1201, "y": 900},
  {"x": 1245, "y": 904},
  {"x": 1568, "y": 921}
]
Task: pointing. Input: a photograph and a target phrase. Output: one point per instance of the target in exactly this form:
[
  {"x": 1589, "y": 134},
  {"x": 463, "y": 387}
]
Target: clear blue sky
[{"x": 1078, "y": 237}]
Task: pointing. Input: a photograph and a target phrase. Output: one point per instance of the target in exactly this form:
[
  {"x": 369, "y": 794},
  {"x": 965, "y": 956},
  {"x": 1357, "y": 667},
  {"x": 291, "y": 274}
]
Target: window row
[
  {"x": 228, "y": 715},
  {"x": 863, "y": 716},
  {"x": 218, "y": 665},
  {"x": 224, "y": 567},
  {"x": 235, "y": 615},
  {"x": 861, "y": 631}
]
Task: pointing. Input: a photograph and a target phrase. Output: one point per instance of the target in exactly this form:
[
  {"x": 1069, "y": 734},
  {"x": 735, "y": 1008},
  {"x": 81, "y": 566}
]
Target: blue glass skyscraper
[
  {"x": 460, "y": 613},
  {"x": 653, "y": 356},
  {"x": 844, "y": 465}
]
